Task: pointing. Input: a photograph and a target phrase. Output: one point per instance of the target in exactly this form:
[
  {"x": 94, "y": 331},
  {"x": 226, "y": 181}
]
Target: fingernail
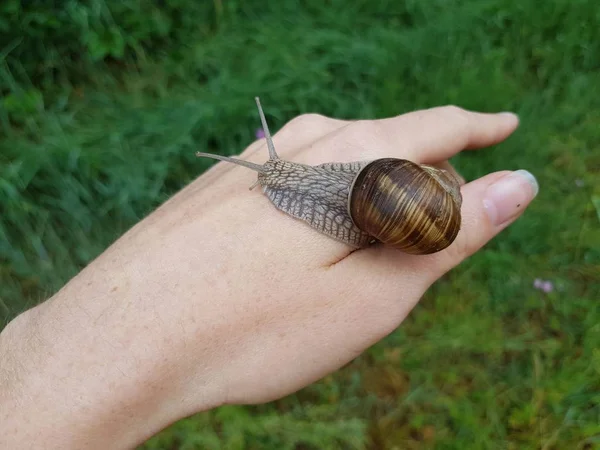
[
  {"x": 508, "y": 196},
  {"x": 514, "y": 118}
]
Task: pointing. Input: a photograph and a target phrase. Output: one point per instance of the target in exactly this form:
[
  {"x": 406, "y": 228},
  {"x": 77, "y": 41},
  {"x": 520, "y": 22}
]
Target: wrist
[
  {"x": 81, "y": 385},
  {"x": 131, "y": 344}
]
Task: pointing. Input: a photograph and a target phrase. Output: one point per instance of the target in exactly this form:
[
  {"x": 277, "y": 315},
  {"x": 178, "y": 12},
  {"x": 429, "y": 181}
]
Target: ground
[{"x": 501, "y": 353}]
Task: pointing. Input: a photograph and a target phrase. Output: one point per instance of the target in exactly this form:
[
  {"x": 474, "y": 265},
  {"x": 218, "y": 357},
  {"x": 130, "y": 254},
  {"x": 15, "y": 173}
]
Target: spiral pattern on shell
[{"x": 412, "y": 207}]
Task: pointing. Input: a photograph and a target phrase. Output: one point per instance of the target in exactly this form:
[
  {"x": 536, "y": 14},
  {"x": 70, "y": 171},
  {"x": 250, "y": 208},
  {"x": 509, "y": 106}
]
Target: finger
[
  {"x": 447, "y": 130},
  {"x": 426, "y": 136},
  {"x": 490, "y": 204}
]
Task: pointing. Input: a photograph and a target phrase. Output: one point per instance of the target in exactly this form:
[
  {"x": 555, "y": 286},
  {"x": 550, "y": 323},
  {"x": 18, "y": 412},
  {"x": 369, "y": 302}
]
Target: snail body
[{"x": 402, "y": 204}]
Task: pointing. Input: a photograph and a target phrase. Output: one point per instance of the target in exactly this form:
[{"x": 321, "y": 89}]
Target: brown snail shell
[{"x": 405, "y": 205}]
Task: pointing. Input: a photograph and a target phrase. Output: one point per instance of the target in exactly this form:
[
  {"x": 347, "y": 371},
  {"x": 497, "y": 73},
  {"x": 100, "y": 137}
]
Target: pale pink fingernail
[
  {"x": 508, "y": 114},
  {"x": 509, "y": 195}
]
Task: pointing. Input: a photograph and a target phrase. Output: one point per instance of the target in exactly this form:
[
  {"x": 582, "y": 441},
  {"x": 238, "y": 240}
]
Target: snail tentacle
[
  {"x": 263, "y": 120},
  {"x": 315, "y": 195},
  {"x": 240, "y": 162}
]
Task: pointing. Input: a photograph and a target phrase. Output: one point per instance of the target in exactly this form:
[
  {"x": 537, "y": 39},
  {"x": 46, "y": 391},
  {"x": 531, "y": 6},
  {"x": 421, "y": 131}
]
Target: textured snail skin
[
  {"x": 317, "y": 195},
  {"x": 408, "y": 206}
]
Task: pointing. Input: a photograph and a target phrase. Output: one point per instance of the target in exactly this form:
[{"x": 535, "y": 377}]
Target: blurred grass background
[{"x": 104, "y": 102}]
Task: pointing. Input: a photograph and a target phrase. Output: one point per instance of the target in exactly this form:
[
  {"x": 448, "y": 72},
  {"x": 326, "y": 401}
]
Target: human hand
[
  {"x": 219, "y": 298},
  {"x": 342, "y": 280}
]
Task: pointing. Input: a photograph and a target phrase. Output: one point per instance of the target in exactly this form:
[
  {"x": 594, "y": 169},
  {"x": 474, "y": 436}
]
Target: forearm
[
  {"x": 49, "y": 397},
  {"x": 102, "y": 364},
  {"x": 67, "y": 384},
  {"x": 146, "y": 334}
]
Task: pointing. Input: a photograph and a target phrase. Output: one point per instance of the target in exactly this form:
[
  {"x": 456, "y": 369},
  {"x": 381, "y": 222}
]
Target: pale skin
[{"x": 218, "y": 298}]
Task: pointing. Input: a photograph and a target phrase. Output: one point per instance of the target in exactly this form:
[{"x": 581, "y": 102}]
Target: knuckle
[
  {"x": 456, "y": 114},
  {"x": 361, "y": 128},
  {"x": 305, "y": 120},
  {"x": 453, "y": 110},
  {"x": 460, "y": 250},
  {"x": 441, "y": 262},
  {"x": 470, "y": 239}
]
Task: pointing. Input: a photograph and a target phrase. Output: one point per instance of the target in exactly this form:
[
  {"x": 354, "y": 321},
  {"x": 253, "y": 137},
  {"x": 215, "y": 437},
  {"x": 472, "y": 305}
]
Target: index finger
[
  {"x": 426, "y": 136},
  {"x": 442, "y": 132}
]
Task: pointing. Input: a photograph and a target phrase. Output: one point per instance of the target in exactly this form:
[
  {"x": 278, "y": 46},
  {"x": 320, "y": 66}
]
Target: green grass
[{"x": 486, "y": 361}]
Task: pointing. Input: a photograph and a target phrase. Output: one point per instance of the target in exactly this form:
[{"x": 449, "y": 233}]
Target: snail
[{"x": 412, "y": 207}]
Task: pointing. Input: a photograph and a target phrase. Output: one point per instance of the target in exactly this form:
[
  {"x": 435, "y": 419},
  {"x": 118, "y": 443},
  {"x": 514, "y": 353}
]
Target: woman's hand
[{"x": 219, "y": 298}]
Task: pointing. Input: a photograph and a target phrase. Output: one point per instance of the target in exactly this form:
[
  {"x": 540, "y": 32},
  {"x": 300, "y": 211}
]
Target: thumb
[{"x": 490, "y": 204}]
